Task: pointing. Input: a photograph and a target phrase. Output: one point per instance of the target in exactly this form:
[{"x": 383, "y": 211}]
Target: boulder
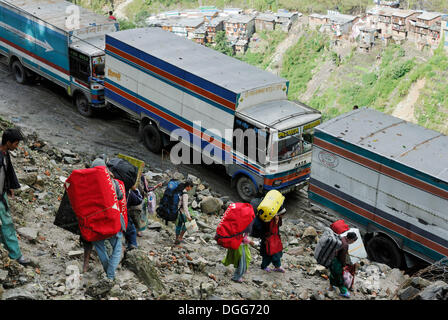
[
  {"x": 138, "y": 262},
  {"x": 178, "y": 176},
  {"x": 211, "y": 205},
  {"x": 310, "y": 235},
  {"x": 28, "y": 233},
  {"x": 27, "y": 178}
]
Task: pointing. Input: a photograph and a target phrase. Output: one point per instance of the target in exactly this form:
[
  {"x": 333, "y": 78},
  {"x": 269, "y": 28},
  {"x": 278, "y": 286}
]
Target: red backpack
[
  {"x": 94, "y": 200},
  {"x": 123, "y": 203},
  {"x": 229, "y": 233}
]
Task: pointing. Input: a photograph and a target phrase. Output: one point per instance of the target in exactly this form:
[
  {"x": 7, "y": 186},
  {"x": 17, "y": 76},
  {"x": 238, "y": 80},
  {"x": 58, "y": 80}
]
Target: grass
[
  {"x": 301, "y": 59},
  {"x": 263, "y": 59}
]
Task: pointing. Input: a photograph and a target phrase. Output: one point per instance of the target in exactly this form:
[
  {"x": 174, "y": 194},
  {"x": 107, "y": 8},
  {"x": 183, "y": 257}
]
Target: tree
[{"x": 222, "y": 44}]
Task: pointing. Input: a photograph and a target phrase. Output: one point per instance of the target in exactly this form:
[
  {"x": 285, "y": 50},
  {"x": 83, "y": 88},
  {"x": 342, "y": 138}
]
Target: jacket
[{"x": 11, "y": 181}]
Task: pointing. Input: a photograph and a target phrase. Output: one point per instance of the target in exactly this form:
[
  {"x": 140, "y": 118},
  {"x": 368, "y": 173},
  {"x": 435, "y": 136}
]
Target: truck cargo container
[
  {"x": 389, "y": 178},
  {"x": 59, "y": 41},
  {"x": 170, "y": 83}
]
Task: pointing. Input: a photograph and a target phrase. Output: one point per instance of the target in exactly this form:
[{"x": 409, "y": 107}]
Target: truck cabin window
[
  {"x": 98, "y": 67},
  {"x": 250, "y": 140},
  {"x": 292, "y": 144},
  {"x": 79, "y": 66}
]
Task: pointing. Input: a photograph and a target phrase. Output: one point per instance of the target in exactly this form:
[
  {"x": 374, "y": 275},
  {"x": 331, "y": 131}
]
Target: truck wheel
[
  {"x": 83, "y": 105},
  {"x": 246, "y": 189},
  {"x": 19, "y": 72},
  {"x": 384, "y": 250},
  {"x": 152, "y": 138}
]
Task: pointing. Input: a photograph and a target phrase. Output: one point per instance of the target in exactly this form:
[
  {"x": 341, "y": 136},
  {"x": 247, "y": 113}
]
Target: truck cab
[
  {"x": 283, "y": 162},
  {"x": 87, "y": 65}
]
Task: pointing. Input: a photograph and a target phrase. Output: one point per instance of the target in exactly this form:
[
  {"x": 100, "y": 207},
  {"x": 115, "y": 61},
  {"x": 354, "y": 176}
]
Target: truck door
[{"x": 80, "y": 68}]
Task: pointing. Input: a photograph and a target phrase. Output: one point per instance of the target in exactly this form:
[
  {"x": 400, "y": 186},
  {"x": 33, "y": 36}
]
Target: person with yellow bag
[{"x": 270, "y": 212}]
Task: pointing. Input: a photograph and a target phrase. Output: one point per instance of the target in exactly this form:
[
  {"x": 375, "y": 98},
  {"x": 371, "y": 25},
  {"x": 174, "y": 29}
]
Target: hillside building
[
  {"x": 341, "y": 24},
  {"x": 264, "y": 21},
  {"x": 425, "y": 29},
  {"x": 285, "y": 19},
  {"x": 400, "y": 23},
  {"x": 316, "y": 20},
  {"x": 240, "y": 27}
]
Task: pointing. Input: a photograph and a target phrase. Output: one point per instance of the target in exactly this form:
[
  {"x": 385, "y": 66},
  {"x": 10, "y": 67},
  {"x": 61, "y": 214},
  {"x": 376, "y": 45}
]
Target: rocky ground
[{"x": 157, "y": 270}]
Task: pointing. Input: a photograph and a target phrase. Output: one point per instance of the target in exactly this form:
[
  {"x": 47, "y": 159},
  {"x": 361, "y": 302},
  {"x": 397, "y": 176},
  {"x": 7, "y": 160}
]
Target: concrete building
[
  {"x": 285, "y": 19},
  {"x": 341, "y": 24},
  {"x": 425, "y": 29},
  {"x": 241, "y": 27},
  {"x": 316, "y": 20},
  {"x": 264, "y": 21},
  {"x": 400, "y": 23},
  {"x": 212, "y": 27},
  {"x": 240, "y": 46}
]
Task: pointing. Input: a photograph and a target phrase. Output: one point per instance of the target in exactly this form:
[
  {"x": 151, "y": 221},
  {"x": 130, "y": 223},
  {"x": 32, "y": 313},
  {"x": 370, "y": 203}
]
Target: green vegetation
[
  {"x": 301, "y": 59},
  {"x": 305, "y": 6},
  {"x": 353, "y": 79},
  {"x": 262, "y": 57},
  {"x": 221, "y": 44}
]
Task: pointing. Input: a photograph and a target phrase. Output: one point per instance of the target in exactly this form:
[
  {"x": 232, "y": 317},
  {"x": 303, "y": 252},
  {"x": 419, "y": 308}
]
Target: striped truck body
[
  {"x": 36, "y": 32},
  {"x": 385, "y": 175},
  {"x": 153, "y": 77}
]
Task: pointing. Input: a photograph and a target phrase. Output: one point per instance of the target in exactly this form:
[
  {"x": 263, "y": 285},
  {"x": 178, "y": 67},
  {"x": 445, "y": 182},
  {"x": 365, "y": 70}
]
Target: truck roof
[
  {"x": 409, "y": 144},
  {"x": 281, "y": 114},
  {"x": 203, "y": 62},
  {"x": 56, "y": 12}
]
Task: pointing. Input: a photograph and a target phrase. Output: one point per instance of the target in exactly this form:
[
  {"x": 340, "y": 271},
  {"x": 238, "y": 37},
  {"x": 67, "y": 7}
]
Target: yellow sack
[{"x": 270, "y": 205}]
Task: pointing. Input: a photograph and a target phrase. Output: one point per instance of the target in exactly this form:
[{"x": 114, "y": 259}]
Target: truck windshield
[
  {"x": 98, "y": 66},
  {"x": 293, "y": 145}
]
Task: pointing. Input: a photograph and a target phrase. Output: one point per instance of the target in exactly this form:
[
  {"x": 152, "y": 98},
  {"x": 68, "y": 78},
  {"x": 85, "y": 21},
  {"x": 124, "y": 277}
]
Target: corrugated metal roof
[
  {"x": 55, "y": 12},
  {"x": 206, "y": 63},
  {"x": 393, "y": 138}
]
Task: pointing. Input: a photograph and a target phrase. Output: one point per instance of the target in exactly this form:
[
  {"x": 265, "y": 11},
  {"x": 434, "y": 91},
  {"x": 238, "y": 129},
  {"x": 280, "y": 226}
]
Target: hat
[{"x": 98, "y": 162}]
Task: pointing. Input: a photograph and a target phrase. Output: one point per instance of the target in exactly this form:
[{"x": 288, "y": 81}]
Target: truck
[
  {"x": 389, "y": 178},
  {"x": 183, "y": 91},
  {"x": 59, "y": 41}
]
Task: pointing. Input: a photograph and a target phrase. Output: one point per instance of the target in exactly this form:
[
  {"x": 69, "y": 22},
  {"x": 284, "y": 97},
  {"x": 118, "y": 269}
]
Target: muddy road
[{"x": 46, "y": 109}]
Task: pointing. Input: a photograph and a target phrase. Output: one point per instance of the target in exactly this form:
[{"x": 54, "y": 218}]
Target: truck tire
[
  {"x": 83, "y": 105},
  {"x": 384, "y": 250},
  {"x": 246, "y": 188},
  {"x": 19, "y": 72},
  {"x": 152, "y": 138}
]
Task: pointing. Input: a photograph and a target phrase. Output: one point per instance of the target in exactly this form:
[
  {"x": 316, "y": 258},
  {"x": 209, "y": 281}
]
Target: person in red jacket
[
  {"x": 272, "y": 229},
  {"x": 111, "y": 16},
  {"x": 338, "y": 264}
]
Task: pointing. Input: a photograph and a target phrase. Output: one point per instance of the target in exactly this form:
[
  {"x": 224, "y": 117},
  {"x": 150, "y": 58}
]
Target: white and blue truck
[
  {"x": 171, "y": 84},
  {"x": 389, "y": 178},
  {"x": 59, "y": 41}
]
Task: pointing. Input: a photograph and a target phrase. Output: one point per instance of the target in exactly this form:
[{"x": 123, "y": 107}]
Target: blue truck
[
  {"x": 226, "y": 110},
  {"x": 59, "y": 41}
]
